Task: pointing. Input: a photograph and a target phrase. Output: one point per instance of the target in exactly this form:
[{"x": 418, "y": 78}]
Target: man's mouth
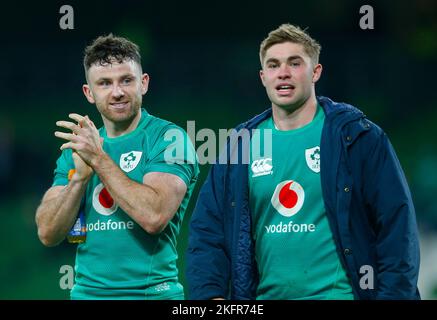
[
  {"x": 119, "y": 105},
  {"x": 285, "y": 88}
]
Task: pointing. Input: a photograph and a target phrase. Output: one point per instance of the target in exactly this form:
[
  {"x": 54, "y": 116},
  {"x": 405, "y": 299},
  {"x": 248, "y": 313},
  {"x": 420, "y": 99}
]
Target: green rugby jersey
[
  {"x": 120, "y": 260},
  {"x": 294, "y": 245}
]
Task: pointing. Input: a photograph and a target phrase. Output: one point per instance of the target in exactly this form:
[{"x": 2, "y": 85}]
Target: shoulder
[
  {"x": 255, "y": 120},
  {"x": 338, "y": 110},
  {"x": 163, "y": 135},
  {"x": 351, "y": 120},
  {"x": 159, "y": 126}
]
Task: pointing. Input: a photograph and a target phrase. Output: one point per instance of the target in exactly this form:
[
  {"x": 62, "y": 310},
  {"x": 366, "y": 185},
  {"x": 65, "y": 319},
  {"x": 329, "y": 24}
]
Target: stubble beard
[{"x": 120, "y": 118}]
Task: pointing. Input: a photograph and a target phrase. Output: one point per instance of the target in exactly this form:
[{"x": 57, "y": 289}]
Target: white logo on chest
[
  {"x": 130, "y": 160},
  {"x": 312, "y": 156}
]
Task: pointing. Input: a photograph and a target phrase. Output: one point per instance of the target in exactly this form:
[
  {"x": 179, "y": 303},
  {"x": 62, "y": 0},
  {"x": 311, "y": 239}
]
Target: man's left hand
[{"x": 84, "y": 139}]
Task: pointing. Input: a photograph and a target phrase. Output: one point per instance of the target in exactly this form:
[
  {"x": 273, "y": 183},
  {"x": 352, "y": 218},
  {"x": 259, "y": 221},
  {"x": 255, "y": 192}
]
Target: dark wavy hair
[{"x": 109, "y": 48}]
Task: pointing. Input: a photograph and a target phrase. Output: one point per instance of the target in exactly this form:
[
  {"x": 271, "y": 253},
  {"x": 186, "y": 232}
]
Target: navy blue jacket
[{"x": 367, "y": 201}]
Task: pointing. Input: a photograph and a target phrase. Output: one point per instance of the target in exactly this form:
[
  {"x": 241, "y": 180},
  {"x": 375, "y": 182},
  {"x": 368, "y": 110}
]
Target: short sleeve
[
  {"x": 174, "y": 153},
  {"x": 63, "y": 165}
]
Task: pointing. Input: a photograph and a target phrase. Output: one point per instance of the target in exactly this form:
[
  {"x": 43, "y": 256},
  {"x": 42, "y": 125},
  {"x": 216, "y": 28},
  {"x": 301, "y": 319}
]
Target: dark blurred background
[{"x": 202, "y": 58}]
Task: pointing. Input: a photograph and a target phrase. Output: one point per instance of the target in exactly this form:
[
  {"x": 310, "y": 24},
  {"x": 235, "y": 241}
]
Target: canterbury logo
[{"x": 262, "y": 167}]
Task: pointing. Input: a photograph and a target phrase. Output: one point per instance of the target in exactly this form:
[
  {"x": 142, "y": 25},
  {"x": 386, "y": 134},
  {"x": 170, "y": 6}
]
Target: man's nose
[
  {"x": 117, "y": 91},
  {"x": 284, "y": 71}
]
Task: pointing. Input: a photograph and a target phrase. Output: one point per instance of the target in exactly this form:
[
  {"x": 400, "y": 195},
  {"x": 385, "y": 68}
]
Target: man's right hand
[{"x": 83, "y": 171}]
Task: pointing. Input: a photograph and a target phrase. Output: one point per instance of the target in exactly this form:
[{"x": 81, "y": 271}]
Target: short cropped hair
[
  {"x": 109, "y": 48},
  {"x": 290, "y": 33}
]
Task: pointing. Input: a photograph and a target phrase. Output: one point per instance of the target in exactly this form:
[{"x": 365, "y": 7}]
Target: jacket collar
[{"x": 331, "y": 108}]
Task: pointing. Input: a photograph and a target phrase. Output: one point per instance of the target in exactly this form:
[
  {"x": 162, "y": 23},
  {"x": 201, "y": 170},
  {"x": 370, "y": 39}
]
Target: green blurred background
[{"x": 202, "y": 58}]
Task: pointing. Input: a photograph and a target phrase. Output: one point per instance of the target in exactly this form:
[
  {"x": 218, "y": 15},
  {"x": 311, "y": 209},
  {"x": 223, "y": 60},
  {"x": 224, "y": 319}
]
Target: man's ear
[
  {"x": 144, "y": 83},
  {"x": 317, "y": 72},
  {"x": 261, "y": 75},
  {"x": 88, "y": 93}
]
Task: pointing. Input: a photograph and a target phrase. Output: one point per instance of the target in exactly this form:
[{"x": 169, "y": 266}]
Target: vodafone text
[
  {"x": 110, "y": 225},
  {"x": 290, "y": 227}
]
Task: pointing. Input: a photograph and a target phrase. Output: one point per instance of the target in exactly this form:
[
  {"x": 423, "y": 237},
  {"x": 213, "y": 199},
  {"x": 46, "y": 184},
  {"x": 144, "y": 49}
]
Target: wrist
[
  {"x": 77, "y": 180},
  {"x": 98, "y": 160},
  {"x": 81, "y": 176}
]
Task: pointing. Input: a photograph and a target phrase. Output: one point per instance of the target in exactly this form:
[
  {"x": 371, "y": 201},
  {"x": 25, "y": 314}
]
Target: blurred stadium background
[{"x": 203, "y": 62}]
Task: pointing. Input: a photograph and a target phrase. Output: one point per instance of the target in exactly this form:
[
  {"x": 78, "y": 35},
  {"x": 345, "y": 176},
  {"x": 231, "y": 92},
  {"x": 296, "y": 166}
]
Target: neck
[
  {"x": 295, "y": 118},
  {"x": 116, "y": 129}
]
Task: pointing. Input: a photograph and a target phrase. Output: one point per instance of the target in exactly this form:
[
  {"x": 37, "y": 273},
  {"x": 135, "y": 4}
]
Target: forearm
[
  {"x": 140, "y": 201},
  {"x": 58, "y": 212}
]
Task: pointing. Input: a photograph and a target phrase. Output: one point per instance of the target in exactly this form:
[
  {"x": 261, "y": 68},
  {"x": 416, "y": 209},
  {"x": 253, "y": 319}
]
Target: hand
[
  {"x": 84, "y": 139},
  {"x": 83, "y": 172}
]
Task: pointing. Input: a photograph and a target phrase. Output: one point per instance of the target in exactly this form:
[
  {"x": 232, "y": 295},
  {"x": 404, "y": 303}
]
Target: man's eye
[
  {"x": 127, "y": 81},
  {"x": 295, "y": 64},
  {"x": 272, "y": 66},
  {"x": 104, "y": 83}
]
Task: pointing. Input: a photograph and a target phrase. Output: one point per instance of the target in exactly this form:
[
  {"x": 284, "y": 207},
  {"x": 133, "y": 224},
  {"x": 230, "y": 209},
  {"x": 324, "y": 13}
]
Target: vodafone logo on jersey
[
  {"x": 103, "y": 202},
  {"x": 288, "y": 198}
]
